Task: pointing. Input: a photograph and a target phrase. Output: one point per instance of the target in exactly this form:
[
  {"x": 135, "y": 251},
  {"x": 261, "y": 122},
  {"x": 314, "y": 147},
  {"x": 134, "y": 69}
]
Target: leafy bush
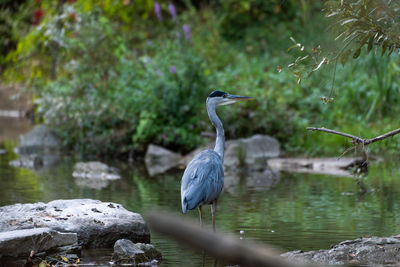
[
  {"x": 110, "y": 95},
  {"x": 119, "y": 89}
]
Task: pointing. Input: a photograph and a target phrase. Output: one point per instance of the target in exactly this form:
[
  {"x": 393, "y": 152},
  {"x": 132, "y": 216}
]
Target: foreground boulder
[
  {"x": 159, "y": 159},
  {"x": 361, "y": 251},
  {"x": 20, "y": 243},
  {"x": 96, "y": 223},
  {"x": 126, "y": 252},
  {"x": 95, "y": 170}
]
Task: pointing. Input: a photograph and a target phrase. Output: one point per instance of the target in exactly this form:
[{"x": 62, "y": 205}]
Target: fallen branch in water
[
  {"x": 356, "y": 139},
  {"x": 223, "y": 247}
]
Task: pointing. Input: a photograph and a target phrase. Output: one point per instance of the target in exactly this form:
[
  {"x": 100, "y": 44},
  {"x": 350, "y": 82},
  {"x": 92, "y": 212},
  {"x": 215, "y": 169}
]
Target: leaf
[
  {"x": 385, "y": 44},
  {"x": 77, "y": 261},
  {"x": 298, "y": 76},
  {"x": 357, "y": 53},
  {"x": 370, "y": 43},
  {"x": 64, "y": 258},
  {"x": 348, "y": 21},
  {"x": 364, "y": 40},
  {"x": 331, "y": 14},
  {"x": 391, "y": 49},
  {"x": 318, "y": 66},
  {"x": 344, "y": 57}
]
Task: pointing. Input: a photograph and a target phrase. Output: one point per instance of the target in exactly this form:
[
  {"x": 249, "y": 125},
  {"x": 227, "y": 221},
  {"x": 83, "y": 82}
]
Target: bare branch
[
  {"x": 356, "y": 139},
  {"x": 226, "y": 248},
  {"x": 383, "y": 136}
]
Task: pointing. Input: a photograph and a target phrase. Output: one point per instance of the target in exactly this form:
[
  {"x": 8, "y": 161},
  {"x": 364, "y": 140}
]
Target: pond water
[{"x": 301, "y": 211}]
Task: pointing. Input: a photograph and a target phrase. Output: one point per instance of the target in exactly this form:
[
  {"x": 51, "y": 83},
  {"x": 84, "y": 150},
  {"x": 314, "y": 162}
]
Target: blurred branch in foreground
[
  {"x": 226, "y": 248},
  {"x": 356, "y": 139}
]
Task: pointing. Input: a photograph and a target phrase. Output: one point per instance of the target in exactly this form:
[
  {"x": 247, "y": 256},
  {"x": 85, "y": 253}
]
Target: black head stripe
[{"x": 217, "y": 93}]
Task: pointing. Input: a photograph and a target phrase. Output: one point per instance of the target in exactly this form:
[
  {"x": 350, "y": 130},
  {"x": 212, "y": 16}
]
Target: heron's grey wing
[{"x": 202, "y": 181}]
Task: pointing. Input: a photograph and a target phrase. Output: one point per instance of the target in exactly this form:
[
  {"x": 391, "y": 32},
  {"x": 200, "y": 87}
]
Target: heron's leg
[
  {"x": 201, "y": 217},
  {"x": 213, "y": 209}
]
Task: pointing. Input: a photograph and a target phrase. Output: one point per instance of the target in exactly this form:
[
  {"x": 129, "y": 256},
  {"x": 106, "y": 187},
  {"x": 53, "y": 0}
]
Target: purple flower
[
  {"x": 186, "y": 30},
  {"x": 172, "y": 69},
  {"x": 157, "y": 9},
  {"x": 172, "y": 10}
]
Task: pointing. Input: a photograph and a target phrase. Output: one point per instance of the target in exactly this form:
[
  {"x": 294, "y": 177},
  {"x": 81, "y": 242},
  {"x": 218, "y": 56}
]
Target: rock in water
[
  {"x": 97, "y": 224},
  {"x": 95, "y": 170},
  {"x": 126, "y": 252},
  {"x": 159, "y": 159},
  {"x": 20, "y": 243},
  {"x": 40, "y": 139},
  {"x": 251, "y": 153},
  {"x": 361, "y": 251},
  {"x": 38, "y": 148}
]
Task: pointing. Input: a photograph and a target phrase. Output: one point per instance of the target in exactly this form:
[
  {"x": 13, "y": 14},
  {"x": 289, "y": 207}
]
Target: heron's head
[{"x": 221, "y": 98}]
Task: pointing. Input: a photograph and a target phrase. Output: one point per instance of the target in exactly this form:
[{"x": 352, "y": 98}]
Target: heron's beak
[{"x": 230, "y": 99}]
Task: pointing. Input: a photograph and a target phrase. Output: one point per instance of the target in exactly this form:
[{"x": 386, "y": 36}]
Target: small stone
[
  {"x": 126, "y": 252},
  {"x": 95, "y": 170}
]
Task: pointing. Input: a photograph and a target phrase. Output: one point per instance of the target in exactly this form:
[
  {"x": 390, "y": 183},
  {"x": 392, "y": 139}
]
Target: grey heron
[{"x": 203, "y": 179}]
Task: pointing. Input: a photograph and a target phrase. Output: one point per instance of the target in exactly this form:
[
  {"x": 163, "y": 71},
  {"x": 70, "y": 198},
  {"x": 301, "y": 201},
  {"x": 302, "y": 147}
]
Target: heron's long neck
[{"x": 220, "y": 141}]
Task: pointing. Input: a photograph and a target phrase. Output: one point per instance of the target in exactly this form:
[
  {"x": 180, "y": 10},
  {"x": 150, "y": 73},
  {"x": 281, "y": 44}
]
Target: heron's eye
[{"x": 224, "y": 96}]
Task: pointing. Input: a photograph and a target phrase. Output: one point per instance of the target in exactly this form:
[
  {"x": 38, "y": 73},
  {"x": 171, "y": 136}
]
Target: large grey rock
[
  {"x": 159, "y": 159},
  {"x": 251, "y": 153},
  {"x": 98, "y": 224},
  {"x": 20, "y": 243},
  {"x": 126, "y": 252},
  {"x": 39, "y": 139},
  {"x": 361, "y": 251},
  {"x": 95, "y": 170}
]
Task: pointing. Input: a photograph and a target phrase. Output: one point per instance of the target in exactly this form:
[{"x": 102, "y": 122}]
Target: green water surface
[{"x": 301, "y": 211}]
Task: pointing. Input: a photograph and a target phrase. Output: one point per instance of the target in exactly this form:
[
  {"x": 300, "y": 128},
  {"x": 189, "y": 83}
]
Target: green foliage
[
  {"x": 15, "y": 19},
  {"x": 368, "y": 22},
  {"x": 126, "y": 79},
  {"x": 110, "y": 95}
]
